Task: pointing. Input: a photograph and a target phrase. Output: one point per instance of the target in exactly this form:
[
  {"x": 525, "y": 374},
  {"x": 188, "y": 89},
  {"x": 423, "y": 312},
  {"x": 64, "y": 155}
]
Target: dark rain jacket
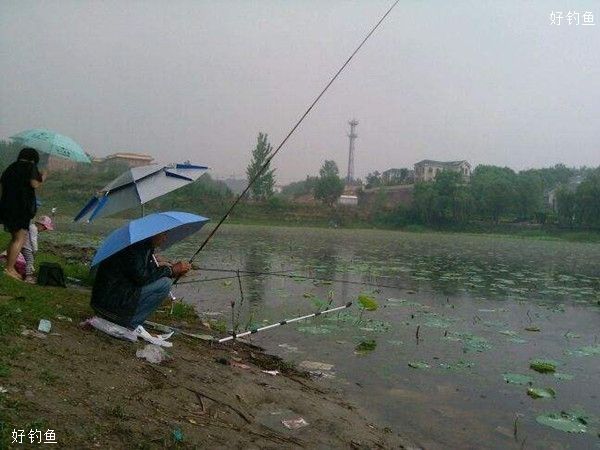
[{"x": 119, "y": 281}]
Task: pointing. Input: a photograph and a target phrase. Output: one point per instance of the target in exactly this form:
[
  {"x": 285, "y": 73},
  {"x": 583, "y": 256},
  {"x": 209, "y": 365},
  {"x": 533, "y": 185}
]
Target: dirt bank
[{"x": 95, "y": 393}]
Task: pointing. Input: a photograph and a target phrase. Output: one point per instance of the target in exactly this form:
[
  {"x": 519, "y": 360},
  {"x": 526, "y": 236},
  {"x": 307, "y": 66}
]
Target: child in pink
[{"x": 30, "y": 246}]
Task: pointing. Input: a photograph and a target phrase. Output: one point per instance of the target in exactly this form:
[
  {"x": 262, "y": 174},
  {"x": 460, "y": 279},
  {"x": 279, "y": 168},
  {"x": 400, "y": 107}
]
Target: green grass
[
  {"x": 48, "y": 377},
  {"x": 218, "y": 325},
  {"x": 29, "y": 303},
  {"x": 73, "y": 270},
  {"x": 510, "y": 231},
  {"x": 4, "y": 370},
  {"x": 23, "y": 305},
  {"x": 183, "y": 311}
]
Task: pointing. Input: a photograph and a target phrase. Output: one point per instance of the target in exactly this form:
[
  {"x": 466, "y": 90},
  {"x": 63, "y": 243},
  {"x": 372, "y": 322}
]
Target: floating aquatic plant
[
  {"x": 471, "y": 342},
  {"x": 541, "y": 392},
  {"x": 418, "y": 365},
  {"x": 563, "y": 376},
  {"x": 543, "y": 365},
  {"x": 366, "y": 346},
  {"x": 367, "y": 302},
  {"x": 588, "y": 350},
  {"x": 564, "y": 421}
]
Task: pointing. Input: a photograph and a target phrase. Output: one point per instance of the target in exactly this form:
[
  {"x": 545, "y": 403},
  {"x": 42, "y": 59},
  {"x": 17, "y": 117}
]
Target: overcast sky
[{"x": 492, "y": 82}]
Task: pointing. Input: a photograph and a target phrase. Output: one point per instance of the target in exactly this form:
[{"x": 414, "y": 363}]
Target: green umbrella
[{"x": 52, "y": 143}]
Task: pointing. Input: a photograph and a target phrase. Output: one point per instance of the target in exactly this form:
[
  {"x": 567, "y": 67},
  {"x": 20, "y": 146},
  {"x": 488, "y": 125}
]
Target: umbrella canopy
[
  {"x": 177, "y": 225},
  {"x": 137, "y": 186},
  {"x": 51, "y": 142}
]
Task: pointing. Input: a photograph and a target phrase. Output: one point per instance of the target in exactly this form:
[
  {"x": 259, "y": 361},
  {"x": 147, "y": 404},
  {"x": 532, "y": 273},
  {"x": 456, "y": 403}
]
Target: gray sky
[{"x": 488, "y": 81}]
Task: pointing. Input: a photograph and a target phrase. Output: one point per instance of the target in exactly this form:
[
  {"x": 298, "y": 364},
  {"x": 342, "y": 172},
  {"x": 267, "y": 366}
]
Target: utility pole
[{"x": 352, "y": 136}]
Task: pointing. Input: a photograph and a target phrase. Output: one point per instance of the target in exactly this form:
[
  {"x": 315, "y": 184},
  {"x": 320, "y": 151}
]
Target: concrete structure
[
  {"x": 131, "y": 159},
  {"x": 388, "y": 196},
  {"x": 427, "y": 169},
  {"x": 348, "y": 200}
]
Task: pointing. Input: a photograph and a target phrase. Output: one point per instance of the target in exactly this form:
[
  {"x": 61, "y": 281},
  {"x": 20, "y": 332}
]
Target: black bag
[{"x": 51, "y": 274}]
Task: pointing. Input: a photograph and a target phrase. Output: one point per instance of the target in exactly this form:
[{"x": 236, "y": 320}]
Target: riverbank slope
[{"x": 94, "y": 392}]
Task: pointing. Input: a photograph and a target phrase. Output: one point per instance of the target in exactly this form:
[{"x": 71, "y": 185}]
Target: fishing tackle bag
[{"x": 51, "y": 274}]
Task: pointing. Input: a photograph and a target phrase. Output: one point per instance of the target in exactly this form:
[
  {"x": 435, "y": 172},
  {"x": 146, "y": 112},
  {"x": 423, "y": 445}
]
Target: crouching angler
[{"x": 130, "y": 285}]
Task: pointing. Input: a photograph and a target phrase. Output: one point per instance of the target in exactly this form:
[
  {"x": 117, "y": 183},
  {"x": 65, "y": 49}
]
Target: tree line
[
  {"x": 569, "y": 197},
  {"x": 559, "y": 194}
]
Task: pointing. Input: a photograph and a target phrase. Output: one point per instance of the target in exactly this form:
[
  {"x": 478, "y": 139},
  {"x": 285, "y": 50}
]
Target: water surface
[{"x": 476, "y": 302}]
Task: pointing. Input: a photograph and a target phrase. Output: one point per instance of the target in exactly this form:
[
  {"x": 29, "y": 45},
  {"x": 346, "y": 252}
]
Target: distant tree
[
  {"x": 493, "y": 190},
  {"x": 424, "y": 203},
  {"x": 588, "y": 200},
  {"x": 298, "y": 188},
  {"x": 329, "y": 185},
  {"x": 446, "y": 200},
  {"x": 565, "y": 206},
  {"x": 551, "y": 177},
  {"x": 373, "y": 180},
  {"x": 452, "y": 202},
  {"x": 262, "y": 189},
  {"x": 529, "y": 194}
]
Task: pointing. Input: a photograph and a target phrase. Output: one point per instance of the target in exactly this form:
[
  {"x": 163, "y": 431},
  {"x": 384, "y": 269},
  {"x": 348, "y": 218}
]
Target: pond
[{"x": 447, "y": 356}]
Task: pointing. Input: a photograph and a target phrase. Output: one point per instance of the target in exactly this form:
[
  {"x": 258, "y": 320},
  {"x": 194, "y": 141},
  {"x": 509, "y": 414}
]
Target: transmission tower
[{"x": 352, "y": 136}]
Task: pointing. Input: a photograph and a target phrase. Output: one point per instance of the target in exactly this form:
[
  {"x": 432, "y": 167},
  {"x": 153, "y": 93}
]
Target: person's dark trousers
[{"x": 151, "y": 297}]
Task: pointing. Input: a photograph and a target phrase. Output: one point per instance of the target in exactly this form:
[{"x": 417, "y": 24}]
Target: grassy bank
[
  {"x": 512, "y": 230},
  {"x": 525, "y": 231}
]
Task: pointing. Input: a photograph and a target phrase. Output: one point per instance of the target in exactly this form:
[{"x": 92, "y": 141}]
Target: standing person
[
  {"x": 30, "y": 246},
  {"x": 18, "y": 203}
]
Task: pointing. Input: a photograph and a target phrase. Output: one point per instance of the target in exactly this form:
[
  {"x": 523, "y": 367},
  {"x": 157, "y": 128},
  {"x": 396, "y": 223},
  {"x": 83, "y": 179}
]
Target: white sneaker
[
  {"x": 165, "y": 336},
  {"x": 140, "y": 331}
]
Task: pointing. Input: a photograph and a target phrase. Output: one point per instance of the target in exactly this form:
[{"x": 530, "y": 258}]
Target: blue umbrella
[
  {"x": 53, "y": 143},
  {"x": 177, "y": 225}
]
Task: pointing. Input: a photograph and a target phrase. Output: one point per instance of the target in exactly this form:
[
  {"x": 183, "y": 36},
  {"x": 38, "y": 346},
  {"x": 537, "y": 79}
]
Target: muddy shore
[{"x": 95, "y": 393}]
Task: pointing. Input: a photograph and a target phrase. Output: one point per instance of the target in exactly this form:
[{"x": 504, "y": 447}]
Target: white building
[
  {"x": 348, "y": 200},
  {"x": 427, "y": 169}
]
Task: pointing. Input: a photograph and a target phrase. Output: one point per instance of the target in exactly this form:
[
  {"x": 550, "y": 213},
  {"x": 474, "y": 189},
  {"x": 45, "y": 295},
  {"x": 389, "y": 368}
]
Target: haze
[{"x": 487, "y": 81}]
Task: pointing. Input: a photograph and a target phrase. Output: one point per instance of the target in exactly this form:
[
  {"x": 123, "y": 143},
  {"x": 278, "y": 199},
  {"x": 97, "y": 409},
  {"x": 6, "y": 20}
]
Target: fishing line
[
  {"x": 284, "y": 275},
  {"x": 228, "y": 277},
  {"x": 268, "y": 161}
]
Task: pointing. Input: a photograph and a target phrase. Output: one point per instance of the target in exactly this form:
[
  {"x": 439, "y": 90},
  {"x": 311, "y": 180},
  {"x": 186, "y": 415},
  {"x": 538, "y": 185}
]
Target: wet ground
[{"x": 457, "y": 316}]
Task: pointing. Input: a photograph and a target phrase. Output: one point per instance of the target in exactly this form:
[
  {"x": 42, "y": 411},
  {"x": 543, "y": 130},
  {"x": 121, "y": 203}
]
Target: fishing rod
[
  {"x": 283, "y": 322},
  {"x": 272, "y": 155},
  {"x": 280, "y": 274}
]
